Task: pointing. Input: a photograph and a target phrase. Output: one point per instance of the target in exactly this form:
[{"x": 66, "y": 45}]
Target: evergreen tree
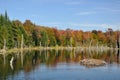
[
  {"x": 44, "y": 38},
  {"x": 35, "y": 38}
]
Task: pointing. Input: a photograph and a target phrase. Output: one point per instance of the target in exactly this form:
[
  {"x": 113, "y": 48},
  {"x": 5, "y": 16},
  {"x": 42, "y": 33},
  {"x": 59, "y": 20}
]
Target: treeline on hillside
[{"x": 11, "y": 34}]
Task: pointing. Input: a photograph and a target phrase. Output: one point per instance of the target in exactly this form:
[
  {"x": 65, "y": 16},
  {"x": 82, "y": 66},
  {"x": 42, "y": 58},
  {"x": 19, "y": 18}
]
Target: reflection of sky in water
[
  {"x": 51, "y": 66},
  {"x": 72, "y": 72}
]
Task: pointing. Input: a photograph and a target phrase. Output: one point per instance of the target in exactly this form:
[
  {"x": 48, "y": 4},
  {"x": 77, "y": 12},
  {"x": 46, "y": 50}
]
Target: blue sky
[{"x": 75, "y": 14}]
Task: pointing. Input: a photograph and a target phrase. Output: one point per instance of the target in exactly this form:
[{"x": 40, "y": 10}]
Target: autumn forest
[{"x": 35, "y": 35}]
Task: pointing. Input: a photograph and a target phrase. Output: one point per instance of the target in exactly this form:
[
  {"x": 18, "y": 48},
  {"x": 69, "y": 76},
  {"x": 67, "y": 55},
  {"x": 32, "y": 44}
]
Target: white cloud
[
  {"x": 51, "y": 24},
  {"x": 35, "y": 16},
  {"x": 86, "y": 13},
  {"x": 110, "y": 10},
  {"x": 85, "y": 27},
  {"x": 102, "y": 26}
]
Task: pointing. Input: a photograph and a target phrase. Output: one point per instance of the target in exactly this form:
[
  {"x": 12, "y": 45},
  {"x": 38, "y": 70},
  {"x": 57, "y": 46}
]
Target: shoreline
[{"x": 100, "y": 48}]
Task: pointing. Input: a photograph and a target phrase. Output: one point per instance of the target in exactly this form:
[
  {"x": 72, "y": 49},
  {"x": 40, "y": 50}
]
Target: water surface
[{"x": 58, "y": 65}]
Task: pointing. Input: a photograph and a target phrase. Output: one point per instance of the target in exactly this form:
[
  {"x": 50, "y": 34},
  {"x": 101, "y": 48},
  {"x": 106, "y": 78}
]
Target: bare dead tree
[
  {"x": 22, "y": 42},
  {"x": 118, "y": 39}
]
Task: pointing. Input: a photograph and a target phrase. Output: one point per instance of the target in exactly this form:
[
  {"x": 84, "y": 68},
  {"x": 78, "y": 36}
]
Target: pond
[{"x": 58, "y": 65}]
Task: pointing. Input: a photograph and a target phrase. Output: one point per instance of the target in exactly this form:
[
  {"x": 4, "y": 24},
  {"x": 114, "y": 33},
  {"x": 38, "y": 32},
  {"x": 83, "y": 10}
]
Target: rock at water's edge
[{"x": 92, "y": 62}]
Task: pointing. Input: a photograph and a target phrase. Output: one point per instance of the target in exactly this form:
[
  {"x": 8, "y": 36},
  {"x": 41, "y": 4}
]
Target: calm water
[{"x": 58, "y": 65}]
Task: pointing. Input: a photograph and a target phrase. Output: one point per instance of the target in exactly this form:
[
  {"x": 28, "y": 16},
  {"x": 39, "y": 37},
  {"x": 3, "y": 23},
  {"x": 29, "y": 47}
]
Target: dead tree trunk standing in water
[
  {"x": 4, "y": 44},
  {"x": 22, "y": 51},
  {"x": 22, "y": 42},
  {"x": 4, "y": 50},
  {"x": 118, "y": 40},
  {"x": 118, "y": 45},
  {"x": 109, "y": 34}
]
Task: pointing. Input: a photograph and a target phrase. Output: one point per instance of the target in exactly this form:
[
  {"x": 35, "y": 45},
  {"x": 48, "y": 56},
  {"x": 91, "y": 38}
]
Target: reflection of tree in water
[
  {"x": 118, "y": 53},
  {"x": 67, "y": 56},
  {"x": 27, "y": 66},
  {"x": 82, "y": 55},
  {"x": 110, "y": 57},
  {"x": 5, "y": 67},
  {"x": 32, "y": 59},
  {"x": 52, "y": 58},
  {"x": 35, "y": 59}
]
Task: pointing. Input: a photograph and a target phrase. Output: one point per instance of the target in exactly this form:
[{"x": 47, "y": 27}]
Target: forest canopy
[{"x": 36, "y": 35}]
